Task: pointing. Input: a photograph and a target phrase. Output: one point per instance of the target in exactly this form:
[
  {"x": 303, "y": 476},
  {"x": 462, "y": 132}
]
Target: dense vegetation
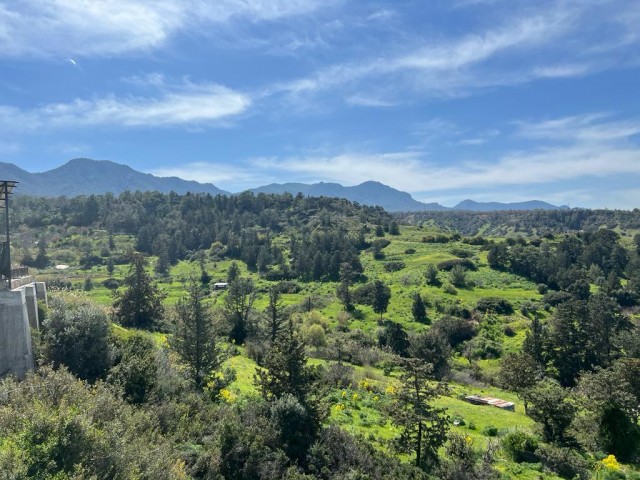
[
  {"x": 342, "y": 347},
  {"x": 531, "y": 222}
]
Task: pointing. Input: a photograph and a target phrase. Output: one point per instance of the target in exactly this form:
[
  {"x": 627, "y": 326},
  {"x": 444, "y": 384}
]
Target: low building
[{"x": 494, "y": 402}]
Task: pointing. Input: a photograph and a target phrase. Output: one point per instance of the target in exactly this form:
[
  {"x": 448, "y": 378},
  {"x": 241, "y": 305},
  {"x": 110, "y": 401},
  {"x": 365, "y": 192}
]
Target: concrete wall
[
  {"x": 16, "y": 354},
  {"x": 32, "y": 305}
]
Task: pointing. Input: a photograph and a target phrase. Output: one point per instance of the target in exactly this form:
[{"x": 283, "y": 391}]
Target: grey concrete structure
[
  {"x": 41, "y": 292},
  {"x": 32, "y": 305},
  {"x": 16, "y": 353}
]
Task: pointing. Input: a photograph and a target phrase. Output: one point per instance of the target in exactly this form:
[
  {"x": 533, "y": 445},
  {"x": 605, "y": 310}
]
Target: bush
[
  {"x": 76, "y": 335},
  {"x": 458, "y": 276},
  {"x": 450, "y": 289},
  {"x": 563, "y": 461},
  {"x": 555, "y": 298},
  {"x": 447, "y": 265},
  {"x": 520, "y": 447},
  {"x": 462, "y": 253},
  {"x": 410, "y": 251},
  {"x": 111, "y": 283},
  {"x": 495, "y": 305},
  {"x": 509, "y": 331},
  {"x": 542, "y": 288},
  {"x": 490, "y": 431},
  {"x": 314, "y": 335},
  {"x": 394, "y": 266},
  {"x": 338, "y": 375},
  {"x": 380, "y": 243}
]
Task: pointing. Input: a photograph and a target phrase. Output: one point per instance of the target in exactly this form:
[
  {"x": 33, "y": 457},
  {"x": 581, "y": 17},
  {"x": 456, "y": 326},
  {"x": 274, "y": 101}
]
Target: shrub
[
  {"x": 555, "y": 298},
  {"x": 450, "y": 289},
  {"x": 509, "y": 331},
  {"x": 380, "y": 243},
  {"x": 520, "y": 447},
  {"x": 462, "y": 253},
  {"x": 314, "y": 335},
  {"x": 447, "y": 265},
  {"x": 458, "y": 276},
  {"x": 542, "y": 288},
  {"x": 338, "y": 375},
  {"x": 394, "y": 266},
  {"x": 410, "y": 251},
  {"x": 494, "y": 304},
  {"x": 76, "y": 335},
  {"x": 490, "y": 431},
  {"x": 111, "y": 283},
  {"x": 563, "y": 461}
]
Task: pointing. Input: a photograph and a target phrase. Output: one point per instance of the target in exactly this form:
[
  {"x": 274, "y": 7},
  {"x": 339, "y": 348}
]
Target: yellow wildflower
[
  {"x": 227, "y": 395},
  {"x": 611, "y": 463},
  {"x": 390, "y": 390}
]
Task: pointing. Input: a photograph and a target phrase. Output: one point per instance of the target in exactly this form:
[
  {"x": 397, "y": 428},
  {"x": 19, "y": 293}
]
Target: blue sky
[{"x": 503, "y": 100}]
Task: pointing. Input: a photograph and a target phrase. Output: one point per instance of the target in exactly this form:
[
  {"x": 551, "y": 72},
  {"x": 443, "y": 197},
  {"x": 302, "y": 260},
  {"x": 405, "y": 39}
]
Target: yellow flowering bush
[
  {"x": 611, "y": 463},
  {"x": 227, "y": 396},
  {"x": 390, "y": 390}
]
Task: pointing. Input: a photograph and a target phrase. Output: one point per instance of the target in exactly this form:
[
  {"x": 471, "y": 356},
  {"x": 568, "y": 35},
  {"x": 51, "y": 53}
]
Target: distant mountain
[
  {"x": 367, "y": 193},
  {"x": 83, "y": 176},
  {"x": 470, "y": 205}
]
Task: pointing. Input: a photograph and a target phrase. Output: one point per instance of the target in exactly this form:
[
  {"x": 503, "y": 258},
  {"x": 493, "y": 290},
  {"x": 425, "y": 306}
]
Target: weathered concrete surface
[
  {"x": 41, "y": 292},
  {"x": 32, "y": 305},
  {"x": 16, "y": 354}
]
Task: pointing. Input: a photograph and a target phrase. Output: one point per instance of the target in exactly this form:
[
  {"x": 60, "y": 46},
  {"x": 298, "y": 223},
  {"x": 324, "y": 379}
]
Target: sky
[{"x": 493, "y": 100}]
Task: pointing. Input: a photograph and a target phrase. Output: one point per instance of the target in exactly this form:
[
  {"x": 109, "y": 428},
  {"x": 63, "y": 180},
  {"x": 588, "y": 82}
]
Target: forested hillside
[
  {"x": 279, "y": 336},
  {"x": 534, "y": 222}
]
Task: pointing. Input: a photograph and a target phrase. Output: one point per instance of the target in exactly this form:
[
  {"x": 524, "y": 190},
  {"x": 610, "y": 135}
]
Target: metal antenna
[{"x": 6, "y": 187}]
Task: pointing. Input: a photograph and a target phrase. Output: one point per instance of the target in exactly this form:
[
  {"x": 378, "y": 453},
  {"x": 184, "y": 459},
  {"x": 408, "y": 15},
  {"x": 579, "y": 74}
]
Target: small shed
[
  {"x": 220, "y": 285},
  {"x": 494, "y": 402}
]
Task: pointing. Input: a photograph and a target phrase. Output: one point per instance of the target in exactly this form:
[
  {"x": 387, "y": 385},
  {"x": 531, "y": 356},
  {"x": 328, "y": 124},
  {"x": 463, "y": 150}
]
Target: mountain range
[{"x": 83, "y": 176}]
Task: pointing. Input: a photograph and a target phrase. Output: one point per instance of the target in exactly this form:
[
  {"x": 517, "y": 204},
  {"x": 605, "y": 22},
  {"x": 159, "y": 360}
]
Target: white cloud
[
  {"x": 114, "y": 27},
  {"x": 188, "y": 104},
  {"x": 552, "y": 40},
  {"x": 368, "y": 101},
  {"x": 594, "y": 127}
]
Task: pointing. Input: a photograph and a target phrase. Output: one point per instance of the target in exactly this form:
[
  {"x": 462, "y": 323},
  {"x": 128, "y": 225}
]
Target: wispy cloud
[
  {"x": 553, "y": 41},
  {"x": 112, "y": 27},
  {"x": 588, "y": 128},
  {"x": 605, "y": 156},
  {"x": 184, "y": 105}
]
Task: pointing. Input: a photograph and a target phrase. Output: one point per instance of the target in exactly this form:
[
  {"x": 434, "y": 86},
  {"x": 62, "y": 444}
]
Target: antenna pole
[{"x": 6, "y": 220}]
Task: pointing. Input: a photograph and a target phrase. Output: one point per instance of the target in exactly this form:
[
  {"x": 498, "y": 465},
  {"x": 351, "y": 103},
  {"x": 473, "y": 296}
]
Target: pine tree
[
  {"x": 275, "y": 317},
  {"x": 381, "y": 297},
  {"x": 194, "y": 337},
  {"x": 418, "y": 309},
  {"x": 423, "y": 427},
  {"x": 140, "y": 305},
  {"x": 346, "y": 280},
  {"x": 238, "y": 304}
]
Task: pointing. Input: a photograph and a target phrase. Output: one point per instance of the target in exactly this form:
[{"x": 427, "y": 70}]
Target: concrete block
[
  {"x": 16, "y": 354},
  {"x": 41, "y": 292},
  {"x": 32, "y": 305}
]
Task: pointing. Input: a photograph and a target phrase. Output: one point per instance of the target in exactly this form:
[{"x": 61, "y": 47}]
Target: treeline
[
  {"x": 324, "y": 232},
  {"x": 529, "y": 222},
  {"x": 574, "y": 262}
]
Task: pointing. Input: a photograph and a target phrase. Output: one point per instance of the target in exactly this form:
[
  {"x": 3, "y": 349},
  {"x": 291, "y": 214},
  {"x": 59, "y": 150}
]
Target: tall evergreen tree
[
  {"x": 275, "y": 317},
  {"x": 238, "y": 303},
  {"x": 346, "y": 280},
  {"x": 423, "y": 427},
  {"x": 418, "y": 309},
  {"x": 194, "y": 337},
  {"x": 140, "y": 305},
  {"x": 381, "y": 297}
]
